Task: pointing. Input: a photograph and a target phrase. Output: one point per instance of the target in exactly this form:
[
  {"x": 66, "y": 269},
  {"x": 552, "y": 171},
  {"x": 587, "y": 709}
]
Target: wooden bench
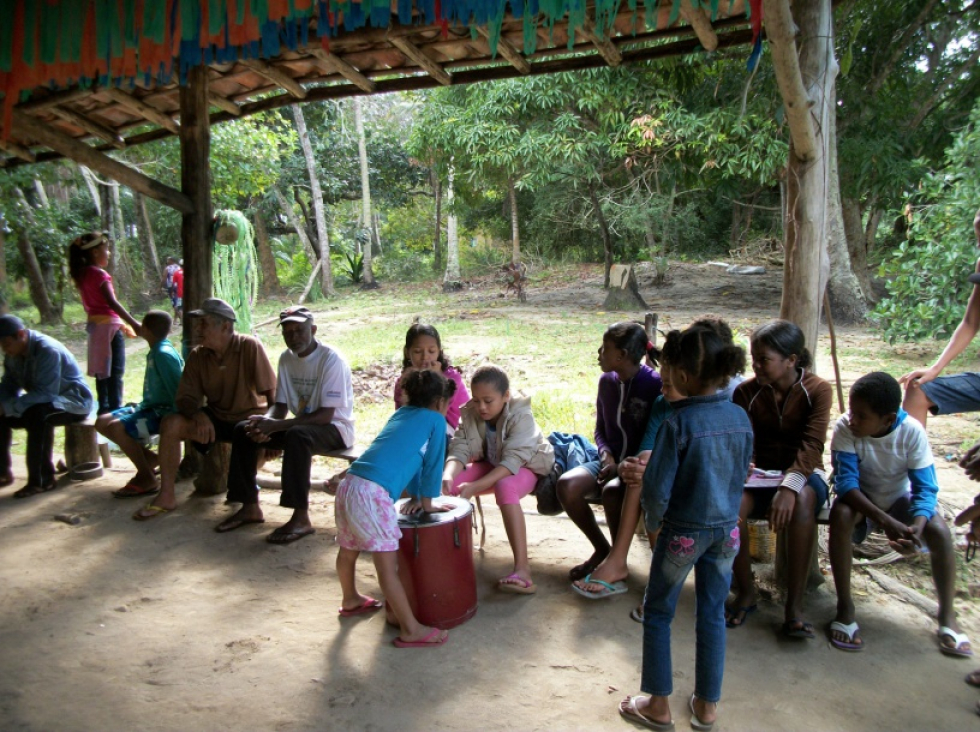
[
  {"x": 82, "y": 445},
  {"x": 350, "y": 454}
]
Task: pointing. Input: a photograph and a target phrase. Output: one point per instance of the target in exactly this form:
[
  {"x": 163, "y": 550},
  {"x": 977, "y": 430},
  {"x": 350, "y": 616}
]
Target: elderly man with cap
[
  {"x": 313, "y": 415},
  {"x": 42, "y": 387},
  {"x": 925, "y": 390},
  {"x": 228, "y": 370}
]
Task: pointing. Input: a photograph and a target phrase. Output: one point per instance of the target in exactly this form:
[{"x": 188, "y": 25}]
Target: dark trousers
[
  {"x": 39, "y": 421},
  {"x": 110, "y": 389},
  {"x": 299, "y": 444}
]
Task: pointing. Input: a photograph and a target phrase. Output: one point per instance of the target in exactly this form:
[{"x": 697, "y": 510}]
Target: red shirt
[
  {"x": 90, "y": 289},
  {"x": 179, "y": 282}
]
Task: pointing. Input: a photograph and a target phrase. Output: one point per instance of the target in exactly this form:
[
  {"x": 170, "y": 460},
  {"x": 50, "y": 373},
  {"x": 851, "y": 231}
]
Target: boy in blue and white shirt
[{"x": 885, "y": 477}]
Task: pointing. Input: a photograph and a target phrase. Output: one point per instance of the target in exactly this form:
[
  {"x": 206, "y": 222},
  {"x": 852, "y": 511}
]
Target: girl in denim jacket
[{"x": 691, "y": 493}]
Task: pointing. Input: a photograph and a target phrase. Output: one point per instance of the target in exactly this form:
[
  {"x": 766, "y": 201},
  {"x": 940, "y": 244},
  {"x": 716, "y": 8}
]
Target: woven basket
[{"x": 762, "y": 542}]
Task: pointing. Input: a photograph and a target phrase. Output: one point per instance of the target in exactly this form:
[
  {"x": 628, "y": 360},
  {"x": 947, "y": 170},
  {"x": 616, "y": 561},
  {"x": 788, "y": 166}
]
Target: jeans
[
  {"x": 39, "y": 421},
  {"x": 110, "y": 390},
  {"x": 711, "y": 553},
  {"x": 298, "y": 444}
]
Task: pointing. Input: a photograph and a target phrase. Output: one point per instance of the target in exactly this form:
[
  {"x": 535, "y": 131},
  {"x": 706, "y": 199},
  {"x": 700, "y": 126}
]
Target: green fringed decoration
[
  {"x": 605, "y": 15},
  {"x": 576, "y": 19},
  {"x": 714, "y": 10},
  {"x": 73, "y": 16},
  {"x": 155, "y": 20},
  {"x": 50, "y": 31},
  {"x": 30, "y": 24},
  {"x": 675, "y": 12},
  {"x": 235, "y": 267},
  {"x": 260, "y": 10},
  {"x": 190, "y": 23},
  {"x": 217, "y": 16},
  {"x": 6, "y": 46}
]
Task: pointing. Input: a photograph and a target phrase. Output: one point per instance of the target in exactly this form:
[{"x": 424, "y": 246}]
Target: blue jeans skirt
[{"x": 710, "y": 553}]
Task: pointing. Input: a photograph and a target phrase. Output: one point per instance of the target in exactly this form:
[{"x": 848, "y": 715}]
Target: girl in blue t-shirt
[{"x": 411, "y": 445}]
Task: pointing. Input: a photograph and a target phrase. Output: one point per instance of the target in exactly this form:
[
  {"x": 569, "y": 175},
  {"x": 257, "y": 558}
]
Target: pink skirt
[{"x": 366, "y": 516}]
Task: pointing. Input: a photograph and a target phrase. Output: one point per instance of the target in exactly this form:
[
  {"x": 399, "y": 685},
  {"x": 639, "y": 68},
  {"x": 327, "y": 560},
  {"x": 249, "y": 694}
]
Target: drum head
[{"x": 460, "y": 508}]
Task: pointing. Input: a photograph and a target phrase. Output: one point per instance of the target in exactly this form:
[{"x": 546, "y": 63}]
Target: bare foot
[
  {"x": 250, "y": 513},
  {"x": 644, "y": 707},
  {"x": 425, "y": 634},
  {"x": 605, "y": 572},
  {"x": 580, "y": 570}
]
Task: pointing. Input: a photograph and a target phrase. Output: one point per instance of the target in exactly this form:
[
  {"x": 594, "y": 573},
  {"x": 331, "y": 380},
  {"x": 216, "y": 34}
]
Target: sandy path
[{"x": 166, "y": 625}]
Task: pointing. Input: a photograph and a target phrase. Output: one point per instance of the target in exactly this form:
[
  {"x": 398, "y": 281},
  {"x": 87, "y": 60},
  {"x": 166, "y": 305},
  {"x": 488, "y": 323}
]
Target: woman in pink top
[
  {"x": 88, "y": 256},
  {"x": 423, "y": 352}
]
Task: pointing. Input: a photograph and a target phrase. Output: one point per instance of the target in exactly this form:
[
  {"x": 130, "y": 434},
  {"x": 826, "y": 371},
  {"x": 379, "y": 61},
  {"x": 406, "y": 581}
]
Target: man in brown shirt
[{"x": 227, "y": 379}]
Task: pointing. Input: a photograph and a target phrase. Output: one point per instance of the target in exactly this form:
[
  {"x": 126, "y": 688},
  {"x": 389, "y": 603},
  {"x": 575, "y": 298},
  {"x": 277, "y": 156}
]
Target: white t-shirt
[
  {"x": 319, "y": 380},
  {"x": 884, "y": 462}
]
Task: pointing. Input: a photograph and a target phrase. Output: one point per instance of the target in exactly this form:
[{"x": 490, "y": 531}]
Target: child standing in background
[
  {"x": 423, "y": 351},
  {"x": 88, "y": 256},
  {"x": 498, "y": 447},
  {"x": 691, "y": 494},
  {"x": 411, "y": 443}
]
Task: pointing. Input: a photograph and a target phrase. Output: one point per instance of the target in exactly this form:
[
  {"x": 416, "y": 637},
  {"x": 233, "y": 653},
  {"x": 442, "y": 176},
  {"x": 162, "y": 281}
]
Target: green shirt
[{"x": 163, "y": 369}]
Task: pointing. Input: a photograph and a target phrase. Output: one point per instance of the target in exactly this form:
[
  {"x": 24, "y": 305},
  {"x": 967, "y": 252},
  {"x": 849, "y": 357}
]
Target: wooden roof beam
[
  {"x": 280, "y": 78},
  {"x": 54, "y": 99},
  {"x": 29, "y": 127},
  {"x": 141, "y": 108},
  {"x": 17, "y": 150},
  {"x": 90, "y": 126},
  {"x": 413, "y": 52},
  {"x": 505, "y": 49},
  {"x": 604, "y": 46},
  {"x": 333, "y": 63},
  {"x": 701, "y": 23},
  {"x": 225, "y": 105}
]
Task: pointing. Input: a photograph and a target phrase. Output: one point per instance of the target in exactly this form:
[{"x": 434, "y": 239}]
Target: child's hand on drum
[{"x": 429, "y": 507}]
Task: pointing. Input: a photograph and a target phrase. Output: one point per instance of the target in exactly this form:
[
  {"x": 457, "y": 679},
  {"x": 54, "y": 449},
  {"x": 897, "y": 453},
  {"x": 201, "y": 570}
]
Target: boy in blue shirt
[
  {"x": 885, "y": 477},
  {"x": 132, "y": 427}
]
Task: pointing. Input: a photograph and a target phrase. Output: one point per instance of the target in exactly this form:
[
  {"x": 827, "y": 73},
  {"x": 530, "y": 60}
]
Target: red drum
[{"x": 435, "y": 563}]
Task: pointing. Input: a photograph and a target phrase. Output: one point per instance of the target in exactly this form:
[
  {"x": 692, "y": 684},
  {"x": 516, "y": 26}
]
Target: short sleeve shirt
[
  {"x": 164, "y": 367},
  {"x": 232, "y": 385},
  {"x": 90, "y": 290},
  {"x": 321, "y": 380}
]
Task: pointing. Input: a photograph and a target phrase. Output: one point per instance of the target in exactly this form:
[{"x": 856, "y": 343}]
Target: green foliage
[
  {"x": 926, "y": 275},
  {"x": 354, "y": 267}
]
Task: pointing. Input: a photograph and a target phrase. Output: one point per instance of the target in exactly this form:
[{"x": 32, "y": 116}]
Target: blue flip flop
[
  {"x": 732, "y": 614},
  {"x": 608, "y": 590}
]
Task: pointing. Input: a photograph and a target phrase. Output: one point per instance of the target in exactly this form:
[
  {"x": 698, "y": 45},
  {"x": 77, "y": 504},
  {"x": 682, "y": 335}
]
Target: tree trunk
[
  {"x": 93, "y": 188},
  {"x": 107, "y": 220},
  {"x": 515, "y": 230},
  {"x": 437, "y": 234},
  {"x": 270, "y": 278},
  {"x": 607, "y": 246},
  {"x": 3, "y": 272},
  {"x": 48, "y": 310},
  {"x": 648, "y": 231},
  {"x": 452, "y": 279},
  {"x": 846, "y": 298},
  {"x": 857, "y": 246},
  {"x": 806, "y": 267},
  {"x": 152, "y": 274},
  {"x": 366, "y": 221},
  {"x": 311, "y": 254},
  {"x": 326, "y": 284}
]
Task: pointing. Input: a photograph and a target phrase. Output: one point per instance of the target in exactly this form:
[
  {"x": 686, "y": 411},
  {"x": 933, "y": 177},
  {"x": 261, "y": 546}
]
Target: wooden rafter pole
[
  {"x": 18, "y": 150},
  {"x": 276, "y": 76},
  {"x": 507, "y": 50},
  {"x": 90, "y": 126},
  {"x": 225, "y": 105},
  {"x": 415, "y": 54},
  {"x": 701, "y": 23},
  {"x": 781, "y": 31},
  {"x": 29, "y": 127},
  {"x": 603, "y": 45},
  {"x": 195, "y": 182},
  {"x": 141, "y": 108},
  {"x": 333, "y": 63}
]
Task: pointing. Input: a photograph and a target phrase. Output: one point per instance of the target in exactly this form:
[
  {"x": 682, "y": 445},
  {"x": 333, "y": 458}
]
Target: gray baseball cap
[{"x": 217, "y": 307}]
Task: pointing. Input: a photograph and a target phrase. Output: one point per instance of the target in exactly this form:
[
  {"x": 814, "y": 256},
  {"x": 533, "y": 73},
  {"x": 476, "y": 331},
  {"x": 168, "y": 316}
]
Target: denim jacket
[
  {"x": 698, "y": 466},
  {"x": 46, "y": 374}
]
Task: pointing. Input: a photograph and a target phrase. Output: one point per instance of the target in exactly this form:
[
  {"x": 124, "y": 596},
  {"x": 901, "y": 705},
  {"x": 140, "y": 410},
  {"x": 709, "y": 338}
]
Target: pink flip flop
[
  {"x": 368, "y": 606},
  {"x": 426, "y": 642}
]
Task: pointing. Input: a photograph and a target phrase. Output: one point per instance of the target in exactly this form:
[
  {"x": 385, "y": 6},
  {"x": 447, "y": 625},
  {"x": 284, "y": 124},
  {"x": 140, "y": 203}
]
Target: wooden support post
[
  {"x": 213, "y": 479},
  {"x": 195, "y": 230},
  {"x": 81, "y": 444}
]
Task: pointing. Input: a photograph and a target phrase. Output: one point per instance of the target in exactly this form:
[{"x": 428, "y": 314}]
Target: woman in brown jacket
[{"x": 789, "y": 408}]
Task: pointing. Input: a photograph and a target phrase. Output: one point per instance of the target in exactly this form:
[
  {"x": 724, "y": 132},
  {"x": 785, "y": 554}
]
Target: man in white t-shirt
[{"x": 313, "y": 415}]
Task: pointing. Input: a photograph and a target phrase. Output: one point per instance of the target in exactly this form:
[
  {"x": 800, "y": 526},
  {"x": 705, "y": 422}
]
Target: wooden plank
[
  {"x": 334, "y": 63},
  {"x": 19, "y": 150},
  {"x": 54, "y": 99},
  {"x": 90, "y": 126},
  {"x": 505, "y": 49},
  {"x": 428, "y": 65},
  {"x": 195, "y": 229},
  {"x": 280, "y": 78},
  {"x": 225, "y": 105},
  {"x": 29, "y": 127},
  {"x": 701, "y": 23},
  {"x": 141, "y": 108},
  {"x": 603, "y": 45}
]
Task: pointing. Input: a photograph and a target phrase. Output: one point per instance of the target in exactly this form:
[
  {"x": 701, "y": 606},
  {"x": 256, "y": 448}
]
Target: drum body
[{"x": 435, "y": 563}]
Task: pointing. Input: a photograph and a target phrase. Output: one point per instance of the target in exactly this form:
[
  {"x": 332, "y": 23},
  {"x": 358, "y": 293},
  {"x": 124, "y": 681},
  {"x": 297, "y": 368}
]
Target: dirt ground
[{"x": 109, "y": 624}]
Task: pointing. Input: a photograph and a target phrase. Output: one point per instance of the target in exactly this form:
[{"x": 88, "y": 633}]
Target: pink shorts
[
  {"x": 507, "y": 491},
  {"x": 366, "y": 516}
]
